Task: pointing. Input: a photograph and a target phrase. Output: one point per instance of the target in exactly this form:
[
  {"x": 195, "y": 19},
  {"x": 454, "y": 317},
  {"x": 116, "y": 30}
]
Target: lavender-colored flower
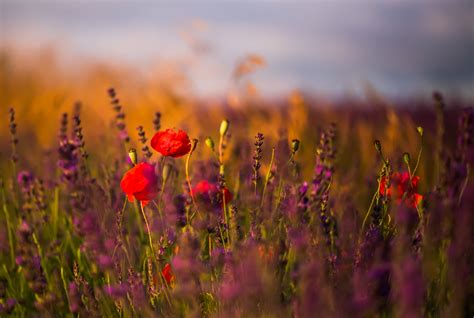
[
  {"x": 105, "y": 261},
  {"x": 142, "y": 138},
  {"x": 136, "y": 289},
  {"x": 74, "y": 297},
  {"x": 324, "y": 167},
  {"x": 116, "y": 290},
  {"x": 257, "y": 157},
  {"x": 8, "y": 307},
  {"x": 78, "y": 136},
  {"x": 68, "y": 160},
  {"x": 157, "y": 121},
  {"x": 119, "y": 116},
  {"x": 409, "y": 288},
  {"x": 13, "y": 135},
  {"x": 25, "y": 180}
]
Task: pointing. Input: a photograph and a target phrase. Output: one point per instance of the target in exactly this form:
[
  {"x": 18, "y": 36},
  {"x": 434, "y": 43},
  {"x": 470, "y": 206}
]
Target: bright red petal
[{"x": 168, "y": 273}]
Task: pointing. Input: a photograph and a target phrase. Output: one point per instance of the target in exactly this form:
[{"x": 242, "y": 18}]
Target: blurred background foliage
[{"x": 40, "y": 90}]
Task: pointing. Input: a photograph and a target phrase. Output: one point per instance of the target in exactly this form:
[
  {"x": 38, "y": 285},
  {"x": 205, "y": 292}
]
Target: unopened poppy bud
[
  {"x": 166, "y": 172},
  {"x": 295, "y": 145},
  {"x": 224, "y": 127},
  {"x": 210, "y": 143},
  {"x": 406, "y": 158},
  {"x": 194, "y": 143},
  {"x": 420, "y": 130},
  {"x": 132, "y": 154},
  {"x": 378, "y": 145}
]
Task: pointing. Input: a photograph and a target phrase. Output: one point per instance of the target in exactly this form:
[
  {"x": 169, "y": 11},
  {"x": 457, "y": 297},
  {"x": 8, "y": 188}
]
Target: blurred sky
[{"x": 401, "y": 47}]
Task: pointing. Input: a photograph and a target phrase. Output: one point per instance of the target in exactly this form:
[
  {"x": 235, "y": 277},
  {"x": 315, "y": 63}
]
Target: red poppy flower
[
  {"x": 207, "y": 189},
  {"x": 400, "y": 186},
  {"x": 140, "y": 183},
  {"x": 167, "y": 273},
  {"x": 171, "y": 143}
]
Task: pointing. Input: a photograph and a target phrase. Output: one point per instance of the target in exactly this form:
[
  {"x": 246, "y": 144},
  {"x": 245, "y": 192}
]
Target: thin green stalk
[
  {"x": 410, "y": 174},
  {"x": 42, "y": 260},
  {"x": 370, "y": 209},
  {"x": 221, "y": 155},
  {"x": 63, "y": 278},
  {"x": 419, "y": 156},
  {"x": 267, "y": 178},
  {"x": 148, "y": 229},
  {"x": 55, "y": 212},
  {"x": 468, "y": 170},
  {"x": 153, "y": 253},
  {"x": 159, "y": 211},
  {"x": 188, "y": 180},
  {"x": 280, "y": 181},
  {"x": 121, "y": 217},
  {"x": 210, "y": 245},
  {"x": 163, "y": 183},
  {"x": 224, "y": 206},
  {"x": 222, "y": 235},
  {"x": 9, "y": 229},
  {"x": 222, "y": 175}
]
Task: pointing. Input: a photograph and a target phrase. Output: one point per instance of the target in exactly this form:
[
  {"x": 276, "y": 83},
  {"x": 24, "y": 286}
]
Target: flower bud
[
  {"x": 194, "y": 143},
  {"x": 378, "y": 145},
  {"x": 420, "y": 130},
  {"x": 406, "y": 158},
  {"x": 295, "y": 145},
  {"x": 224, "y": 127},
  {"x": 210, "y": 143},
  {"x": 132, "y": 154}
]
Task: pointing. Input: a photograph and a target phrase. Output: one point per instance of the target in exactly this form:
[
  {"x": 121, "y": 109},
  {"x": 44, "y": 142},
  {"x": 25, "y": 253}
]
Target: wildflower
[
  {"x": 157, "y": 121},
  {"x": 209, "y": 190},
  {"x": 63, "y": 129},
  {"x": 13, "y": 134},
  {"x": 116, "y": 290},
  {"x": 257, "y": 157},
  {"x": 119, "y": 115},
  {"x": 171, "y": 143},
  {"x": 79, "y": 137},
  {"x": 68, "y": 160},
  {"x": 143, "y": 139},
  {"x": 400, "y": 187},
  {"x": 167, "y": 273},
  {"x": 25, "y": 181},
  {"x": 8, "y": 306},
  {"x": 265, "y": 253},
  {"x": 104, "y": 261},
  {"x": 140, "y": 183}
]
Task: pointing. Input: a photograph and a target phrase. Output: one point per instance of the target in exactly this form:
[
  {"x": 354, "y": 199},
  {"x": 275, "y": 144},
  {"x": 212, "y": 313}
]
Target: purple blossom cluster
[{"x": 247, "y": 227}]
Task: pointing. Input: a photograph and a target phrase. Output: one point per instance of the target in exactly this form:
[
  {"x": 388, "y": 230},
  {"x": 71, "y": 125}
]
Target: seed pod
[
  {"x": 295, "y": 145},
  {"x": 378, "y": 145},
  {"x": 210, "y": 143},
  {"x": 406, "y": 158},
  {"x": 194, "y": 143},
  {"x": 224, "y": 127},
  {"x": 420, "y": 130},
  {"x": 132, "y": 154}
]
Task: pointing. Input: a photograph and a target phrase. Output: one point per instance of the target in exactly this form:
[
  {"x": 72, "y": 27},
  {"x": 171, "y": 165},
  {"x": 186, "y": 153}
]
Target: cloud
[{"x": 400, "y": 46}]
